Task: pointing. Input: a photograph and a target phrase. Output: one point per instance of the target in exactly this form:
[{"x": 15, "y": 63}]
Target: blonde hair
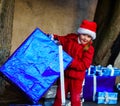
[{"x": 86, "y": 47}]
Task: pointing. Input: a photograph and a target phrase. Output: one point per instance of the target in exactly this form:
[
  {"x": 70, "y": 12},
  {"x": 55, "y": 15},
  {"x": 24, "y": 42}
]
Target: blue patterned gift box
[
  {"x": 94, "y": 70},
  {"x": 103, "y": 71},
  {"x": 34, "y": 66},
  {"x": 106, "y": 97},
  {"x": 111, "y": 71}
]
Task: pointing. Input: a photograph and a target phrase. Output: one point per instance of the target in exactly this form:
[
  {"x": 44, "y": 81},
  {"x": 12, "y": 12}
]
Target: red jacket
[{"x": 81, "y": 59}]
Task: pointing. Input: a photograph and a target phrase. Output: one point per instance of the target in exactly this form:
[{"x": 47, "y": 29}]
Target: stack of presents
[
  {"x": 99, "y": 86},
  {"x": 34, "y": 68}
]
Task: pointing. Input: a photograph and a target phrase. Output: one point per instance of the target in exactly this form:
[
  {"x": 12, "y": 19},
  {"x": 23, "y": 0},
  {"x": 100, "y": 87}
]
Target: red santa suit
[{"x": 75, "y": 73}]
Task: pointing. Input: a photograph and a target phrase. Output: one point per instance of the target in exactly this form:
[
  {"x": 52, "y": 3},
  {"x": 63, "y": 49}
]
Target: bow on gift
[
  {"x": 112, "y": 69},
  {"x": 107, "y": 97}
]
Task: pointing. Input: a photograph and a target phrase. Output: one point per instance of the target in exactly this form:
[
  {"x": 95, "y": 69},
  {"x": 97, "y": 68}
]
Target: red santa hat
[{"x": 88, "y": 27}]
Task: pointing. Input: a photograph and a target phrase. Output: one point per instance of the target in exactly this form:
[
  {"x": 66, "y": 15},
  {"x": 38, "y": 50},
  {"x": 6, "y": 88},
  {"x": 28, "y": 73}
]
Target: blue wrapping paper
[
  {"x": 95, "y": 84},
  {"x": 106, "y": 97},
  {"x": 111, "y": 71},
  {"x": 103, "y": 71},
  {"x": 34, "y": 66}
]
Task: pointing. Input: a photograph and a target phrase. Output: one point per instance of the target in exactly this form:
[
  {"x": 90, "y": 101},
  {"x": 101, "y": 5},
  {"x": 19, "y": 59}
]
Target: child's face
[{"x": 84, "y": 38}]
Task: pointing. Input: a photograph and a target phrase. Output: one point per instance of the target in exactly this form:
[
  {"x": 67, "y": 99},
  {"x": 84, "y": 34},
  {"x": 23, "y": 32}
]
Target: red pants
[{"x": 73, "y": 86}]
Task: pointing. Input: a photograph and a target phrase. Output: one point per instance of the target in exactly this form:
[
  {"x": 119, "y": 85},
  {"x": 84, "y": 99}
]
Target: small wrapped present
[
  {"x": 34, "y": 66},
  {"x": 106, "y": 97},
  {"x": 95, "y": 84}
]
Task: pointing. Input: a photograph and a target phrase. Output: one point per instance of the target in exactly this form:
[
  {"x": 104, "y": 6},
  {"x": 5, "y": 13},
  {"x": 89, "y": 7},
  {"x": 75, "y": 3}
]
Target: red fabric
[
  {"x": 81, "y": 59},
  {"x": 75, "y": 73},
  {"x": 89, "y": 25},
  {"x": 74, "y": 87}
]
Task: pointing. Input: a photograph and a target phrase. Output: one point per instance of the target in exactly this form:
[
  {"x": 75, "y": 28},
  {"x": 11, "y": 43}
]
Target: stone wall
[{"x": 51, "y": 16}]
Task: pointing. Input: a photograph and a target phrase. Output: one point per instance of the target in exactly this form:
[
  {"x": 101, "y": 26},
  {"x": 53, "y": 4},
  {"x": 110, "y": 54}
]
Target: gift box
[
  {"x": 103, "y": 71},
  {"x": 48, "y": 102},
  {"x": 111, "y": 71},
  {"x": 106, "y": 97},
  {"x": 34, "y": 66},
  {"x": 95, "y": 84}
]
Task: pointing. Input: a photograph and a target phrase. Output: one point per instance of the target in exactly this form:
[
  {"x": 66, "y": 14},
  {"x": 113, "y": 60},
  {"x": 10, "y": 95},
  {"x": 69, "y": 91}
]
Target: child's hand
[
  {"x": 57, "y": 42},
  {"x": 50, "y": 36}
]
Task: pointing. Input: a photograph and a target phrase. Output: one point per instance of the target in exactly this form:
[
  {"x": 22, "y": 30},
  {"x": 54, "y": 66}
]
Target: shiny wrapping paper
[
  {"x": 103, "y": 71},
  {"x": 34, "y": 66},
  {"x": 106, "y": 97}
]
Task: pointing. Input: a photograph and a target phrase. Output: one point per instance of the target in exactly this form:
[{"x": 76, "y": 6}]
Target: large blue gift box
[
  {"x": 34, "y": 66},
  {"x": 95, "y": 84},
  {"x": 106, "y": 97}
]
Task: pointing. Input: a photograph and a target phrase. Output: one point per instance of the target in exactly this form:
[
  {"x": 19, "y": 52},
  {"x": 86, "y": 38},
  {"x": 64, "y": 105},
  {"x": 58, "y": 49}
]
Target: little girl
[{"x": 79, "y": 47}]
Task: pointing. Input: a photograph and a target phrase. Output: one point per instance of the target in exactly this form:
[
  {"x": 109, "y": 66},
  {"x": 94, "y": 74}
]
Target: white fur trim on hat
[{"x": 86, "y": 31}]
